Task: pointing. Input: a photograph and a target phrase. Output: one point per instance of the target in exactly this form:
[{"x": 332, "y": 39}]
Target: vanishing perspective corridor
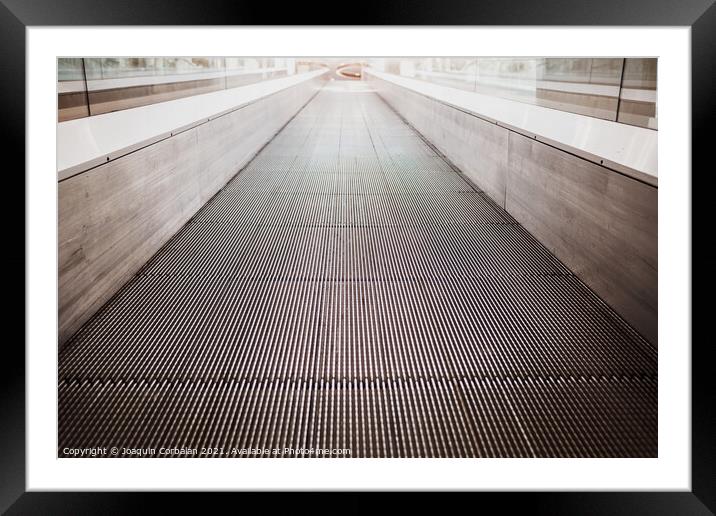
[{"x": 349, "y": 292}]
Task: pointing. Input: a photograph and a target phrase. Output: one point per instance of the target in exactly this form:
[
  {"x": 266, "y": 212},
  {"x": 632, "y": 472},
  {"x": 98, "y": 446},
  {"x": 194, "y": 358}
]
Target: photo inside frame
[{"x": 357, "y": 257}]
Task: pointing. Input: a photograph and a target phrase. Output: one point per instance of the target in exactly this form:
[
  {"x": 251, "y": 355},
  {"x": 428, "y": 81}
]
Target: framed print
[{"x": 427, "y": 251}]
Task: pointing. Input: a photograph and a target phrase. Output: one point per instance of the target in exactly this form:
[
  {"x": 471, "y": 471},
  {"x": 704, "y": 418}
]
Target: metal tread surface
[{"x": 350, "y": 294}]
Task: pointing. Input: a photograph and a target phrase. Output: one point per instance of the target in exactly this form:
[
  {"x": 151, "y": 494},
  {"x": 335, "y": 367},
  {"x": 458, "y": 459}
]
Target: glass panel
[
  {"x": 507, "y": 77},
  {"x": 456, "y": 72},
  {"x": 126, "y": 82},
  {"x": 606, "y": 71},
  {"x": 71, "y": 89},
  {"x": 637, "y": 101},
  {"x": 116, "y": 83},
  {"x": 393, "y": 66},
  {"x": 588, "y": 86},
  {"x": 112, "y": 68},
  {"x": 70, "y": 69},
  {"x": 188, "y": 65},
  {"x": 93, "y": 68},
  {"x": 640, "y": 73},
  {"x": 241, "y": 71}
]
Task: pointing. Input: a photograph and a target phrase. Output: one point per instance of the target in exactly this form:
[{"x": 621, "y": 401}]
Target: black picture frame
[{"x": 17, "y": 15}]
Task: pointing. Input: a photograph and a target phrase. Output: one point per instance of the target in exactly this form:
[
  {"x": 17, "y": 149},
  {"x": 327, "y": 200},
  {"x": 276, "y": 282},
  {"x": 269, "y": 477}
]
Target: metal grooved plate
[{"x": 349, "y": 294}]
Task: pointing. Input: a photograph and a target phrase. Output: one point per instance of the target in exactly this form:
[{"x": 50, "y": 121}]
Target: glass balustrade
[
  {"x": 617, "y": 89},
  {"x": 93, "y": 86}
]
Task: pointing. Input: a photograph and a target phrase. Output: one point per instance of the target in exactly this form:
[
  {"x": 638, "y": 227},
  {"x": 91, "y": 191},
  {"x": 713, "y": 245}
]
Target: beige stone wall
[
  {"x": 114, "y": 217},
  {"x": 600, "y": 223}
]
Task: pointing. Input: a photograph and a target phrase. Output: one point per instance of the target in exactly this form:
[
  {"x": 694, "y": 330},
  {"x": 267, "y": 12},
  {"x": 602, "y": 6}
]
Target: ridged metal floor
[{"x": 349, "y": 290}]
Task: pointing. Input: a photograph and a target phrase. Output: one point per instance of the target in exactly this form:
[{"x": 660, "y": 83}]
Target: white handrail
[
  {"x": 625, "y": 148},
  {"x": 87, "y": 142}
]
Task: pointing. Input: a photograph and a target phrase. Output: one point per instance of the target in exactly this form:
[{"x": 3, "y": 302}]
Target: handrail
[
  {"x": 86, "y": 143},
  {"x": 626, "y": 149}
]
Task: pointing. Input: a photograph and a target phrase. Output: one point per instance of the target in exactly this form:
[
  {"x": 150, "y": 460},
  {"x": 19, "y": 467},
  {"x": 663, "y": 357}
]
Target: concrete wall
[
  {"x": 600, "y": 223},
  {"x": 114, "y": 217}
]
